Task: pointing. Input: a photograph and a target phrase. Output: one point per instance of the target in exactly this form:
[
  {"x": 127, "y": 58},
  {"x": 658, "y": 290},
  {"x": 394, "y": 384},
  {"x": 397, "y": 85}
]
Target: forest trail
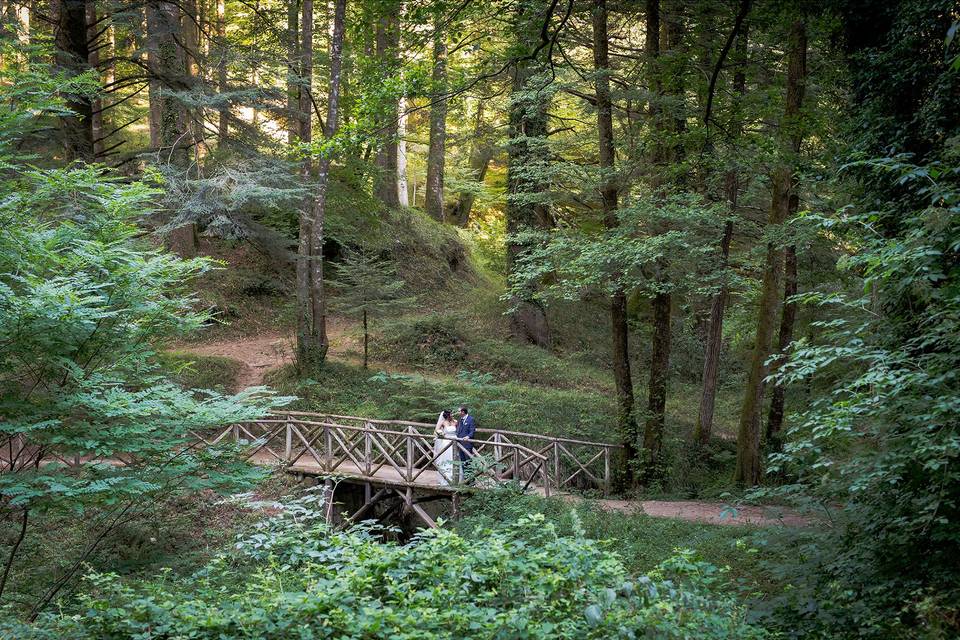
[{"x": 266, "y": 352}]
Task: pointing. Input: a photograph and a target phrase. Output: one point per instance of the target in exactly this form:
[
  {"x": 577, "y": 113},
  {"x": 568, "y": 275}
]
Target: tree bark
[
  {"x": 385, "y": 181},
  {"x": 662, "y": 302},
  {"x": 481, "y": 153},
  {"x": 657, "y": 389},
  {"x": 620, "y": 331},
  {"x": 190, "y": 28},
  {"x": 402, "y": 194},
  {"x": 293, "y": 71},
  {"x": 787, "y": 321},
  {"x": 438, "y": 128},
  {"x": 166, "y": 67},
  {"x": 223, "y": 120},
  {"x": 309, "y": 352},
  {"x": 527, "y": 155},
  {"x": 93, "y": 61},
  {"x": 72, "y": 55},
  {"x": 748, "y": 468},
  {"x": 711, "y": 363},
  {"x": 312, "y": 343},
  {"x": 366, "y": 340}
]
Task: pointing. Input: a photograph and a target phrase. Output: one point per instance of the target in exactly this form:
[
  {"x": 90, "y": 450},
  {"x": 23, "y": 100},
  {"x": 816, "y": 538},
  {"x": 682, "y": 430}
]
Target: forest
[{"x": 686, "y": 276}]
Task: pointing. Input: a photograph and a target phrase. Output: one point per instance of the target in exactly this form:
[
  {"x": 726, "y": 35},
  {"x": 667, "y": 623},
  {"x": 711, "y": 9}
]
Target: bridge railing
[
  {"x": 572, "y": 464},
  {"x": 401, "y": 454}
]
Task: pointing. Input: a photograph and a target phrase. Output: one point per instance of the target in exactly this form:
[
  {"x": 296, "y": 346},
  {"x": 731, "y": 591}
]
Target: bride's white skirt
[{"x": 443, "y": 459}]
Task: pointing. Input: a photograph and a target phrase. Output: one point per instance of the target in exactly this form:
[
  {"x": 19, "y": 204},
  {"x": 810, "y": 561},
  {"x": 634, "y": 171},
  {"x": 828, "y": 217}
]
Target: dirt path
[
  {"x": 265, "y": 352},
  {"x": 268, "y": 351},
  {"x": 708, "y": 512}
]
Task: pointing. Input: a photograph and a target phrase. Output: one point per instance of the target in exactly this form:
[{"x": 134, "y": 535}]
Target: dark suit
[{"x": 466, "y": 428}]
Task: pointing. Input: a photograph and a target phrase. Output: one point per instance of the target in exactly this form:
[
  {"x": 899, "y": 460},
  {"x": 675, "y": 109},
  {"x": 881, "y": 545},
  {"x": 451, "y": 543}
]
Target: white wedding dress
[{"x": 443, "y": 458}]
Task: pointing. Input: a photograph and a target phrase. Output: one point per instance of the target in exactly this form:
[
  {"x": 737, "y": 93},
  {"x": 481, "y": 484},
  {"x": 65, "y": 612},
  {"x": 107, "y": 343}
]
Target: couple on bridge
[{"x": 453, "y": 435}]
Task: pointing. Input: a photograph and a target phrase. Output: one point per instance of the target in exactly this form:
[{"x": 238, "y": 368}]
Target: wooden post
[
  {"x": 606, "y": 469},
  {"x": 328, "y": 446},
  {"x": 236, "y": 433},
  {"x": 288, "y": 445},
  {"x": 367, "y": 449},
  {"x": 409, "y": 477},
  {"x": 556, "y": 463}
]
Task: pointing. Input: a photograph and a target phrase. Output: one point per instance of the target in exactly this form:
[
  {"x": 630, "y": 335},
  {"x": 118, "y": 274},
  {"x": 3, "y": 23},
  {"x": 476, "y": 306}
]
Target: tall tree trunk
[
  {"x": 662, "y": 303},
  {"x": 293, "y": 71},
  {"x": 166, "y": 67},
  {"x": 657, "y": 388},
  {"x": 748, "y": 470},
  {"x": 72, "y": 55},
  {"x": 94, "y": 39},
  {"x": 402, "y": 194},
  {"x": 223, "y": 117},
  {"x": 711, "y": 363},
  {"x": 527, "y": 155},
  {"x": 385, "y": 180},
  {"x": 438, "y": 127},
  {"x": 190, "y": 28},
  {"x": 481, "y": 153},
  {"x": 787, "y": 321},
  {"x": 619, "y": 328},
  {"x": 312, "y": 343},
  {"x": 309, "y": 351}
]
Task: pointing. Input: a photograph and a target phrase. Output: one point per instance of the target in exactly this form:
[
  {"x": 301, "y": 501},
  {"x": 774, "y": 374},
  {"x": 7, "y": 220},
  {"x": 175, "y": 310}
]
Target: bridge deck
[{"x": 387, "y": 476}]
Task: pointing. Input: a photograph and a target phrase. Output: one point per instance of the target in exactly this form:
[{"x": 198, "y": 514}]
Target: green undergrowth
[
  {"x": 348, "y": 389},
  {"x": 292, "y": 576},
  {"x": 194, "y": 371},
  {"x": 175, "y": 536},
  {"x": 641, "y": 541}
]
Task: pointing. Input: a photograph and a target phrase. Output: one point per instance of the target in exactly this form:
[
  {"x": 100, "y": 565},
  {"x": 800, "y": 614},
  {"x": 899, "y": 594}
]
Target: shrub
[
  {"x": 521, "y": 580},
  {"x": 436, "y": 339}
]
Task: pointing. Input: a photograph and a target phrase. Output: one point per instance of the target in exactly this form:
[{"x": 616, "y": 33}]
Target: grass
[
  {"x": 350, "y": 389},
  {"x": 641, "y": 541},
  {"x": 177, "y": 534},
  {"x": 193, "y": 371}
]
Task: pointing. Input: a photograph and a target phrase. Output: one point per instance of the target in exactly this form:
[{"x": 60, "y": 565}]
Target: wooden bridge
[{"x": 398, "y": 457}]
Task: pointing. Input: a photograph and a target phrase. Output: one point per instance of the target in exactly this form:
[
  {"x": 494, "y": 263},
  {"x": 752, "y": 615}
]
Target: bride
[{"x": 444, "y": 445}]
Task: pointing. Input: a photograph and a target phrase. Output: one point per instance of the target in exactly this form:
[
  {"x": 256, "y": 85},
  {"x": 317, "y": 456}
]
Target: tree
[
  {"x": 748, "y": 435},
  {"x": 312, "y": 343},
  {"x": 711, "y": 362},
  {"x": 73, "y": 55},
  {"x": 620, "y": 329},
  {"x": 84, "y": 304},
  {"x": 368, "y": 287},
  {"x": 528, "y": 160},
  {"x": 438, "y": 125},
  {"x": 167, "y": 69},
  {"x": 385, "y": 187},
  {"x": 788, "y": 318},
  {"x": 482, "y": 151}
]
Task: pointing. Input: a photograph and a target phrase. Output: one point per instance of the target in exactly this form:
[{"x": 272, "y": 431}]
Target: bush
[
  {"x": 436, "y": 339},
  {"x": 521, "y": 580}
]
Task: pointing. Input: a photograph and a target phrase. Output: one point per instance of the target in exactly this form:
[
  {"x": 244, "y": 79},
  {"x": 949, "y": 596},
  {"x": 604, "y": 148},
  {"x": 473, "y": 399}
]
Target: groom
[{"x": 465, "y": 429}]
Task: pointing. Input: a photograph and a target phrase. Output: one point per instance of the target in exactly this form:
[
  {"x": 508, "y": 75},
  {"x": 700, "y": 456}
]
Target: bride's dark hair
[{"x": 446, "y": 414}]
